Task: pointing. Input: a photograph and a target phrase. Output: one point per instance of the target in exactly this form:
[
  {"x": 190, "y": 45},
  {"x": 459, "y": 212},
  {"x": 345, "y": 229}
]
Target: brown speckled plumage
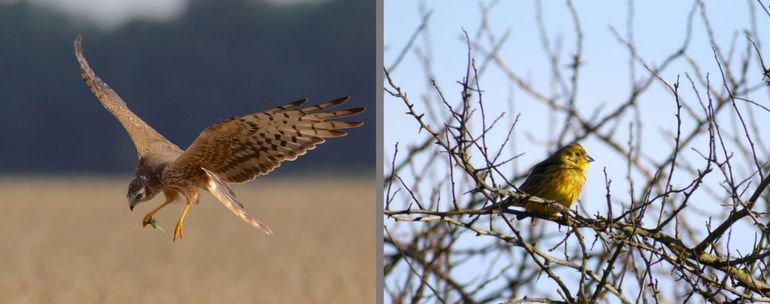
[{"x": 234, "y": 150}]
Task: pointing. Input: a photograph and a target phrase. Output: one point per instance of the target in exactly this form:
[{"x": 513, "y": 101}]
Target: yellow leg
[
  {"x": 170, "y": 195},
  {"x": 149, "y": 215},
  {"x": 178, "y": 230}
]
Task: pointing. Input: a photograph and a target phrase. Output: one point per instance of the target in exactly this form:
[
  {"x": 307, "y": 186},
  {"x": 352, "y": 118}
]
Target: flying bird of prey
[{"x": 231, "y": 151}]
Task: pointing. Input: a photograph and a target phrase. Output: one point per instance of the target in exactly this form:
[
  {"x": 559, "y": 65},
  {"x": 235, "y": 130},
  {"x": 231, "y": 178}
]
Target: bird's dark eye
[{"x": 577, "y": 154}]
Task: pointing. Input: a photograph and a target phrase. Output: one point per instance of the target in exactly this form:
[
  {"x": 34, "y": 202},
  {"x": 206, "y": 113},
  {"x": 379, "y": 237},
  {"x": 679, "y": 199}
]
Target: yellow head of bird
[{"x": 574, "y": 155}]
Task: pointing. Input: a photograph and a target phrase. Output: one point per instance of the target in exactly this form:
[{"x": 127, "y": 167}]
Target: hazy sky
[{"x": 110, "y": 14}]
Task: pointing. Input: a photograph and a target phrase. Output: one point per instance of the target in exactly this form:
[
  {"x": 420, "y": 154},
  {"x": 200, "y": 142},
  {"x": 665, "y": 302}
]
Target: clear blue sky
[{"x": 659, "y": 28}]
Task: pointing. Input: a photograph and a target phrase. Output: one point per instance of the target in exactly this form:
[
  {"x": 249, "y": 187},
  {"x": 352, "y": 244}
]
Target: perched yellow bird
[{"x": 558, "y": 178}]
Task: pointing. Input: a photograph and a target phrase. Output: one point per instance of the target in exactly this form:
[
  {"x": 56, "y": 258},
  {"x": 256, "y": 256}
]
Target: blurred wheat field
[{"x": 74, "y": 240}]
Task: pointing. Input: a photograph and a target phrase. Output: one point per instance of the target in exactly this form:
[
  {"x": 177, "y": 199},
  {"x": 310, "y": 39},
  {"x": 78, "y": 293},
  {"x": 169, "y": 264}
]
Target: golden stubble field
[{"x": 74, "y": 240}]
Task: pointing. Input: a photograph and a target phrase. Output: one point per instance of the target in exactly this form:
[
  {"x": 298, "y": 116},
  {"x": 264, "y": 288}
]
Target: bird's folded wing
[
  {"x": 227, "y": 197},
  {"x": 538, "y": 174},
  {"x": 145, "y": 138},
  {"x": 239, "y": 149}
]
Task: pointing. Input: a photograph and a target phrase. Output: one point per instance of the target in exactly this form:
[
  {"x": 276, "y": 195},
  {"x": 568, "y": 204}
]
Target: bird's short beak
[{"x": 589, "y": 158}]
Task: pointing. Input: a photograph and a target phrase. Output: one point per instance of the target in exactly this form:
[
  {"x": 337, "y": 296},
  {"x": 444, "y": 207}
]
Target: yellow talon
[
  {"x": 178, "y": 231},
  {"x": 152, "y": 222},
  {"x": 148, "y": 219}
]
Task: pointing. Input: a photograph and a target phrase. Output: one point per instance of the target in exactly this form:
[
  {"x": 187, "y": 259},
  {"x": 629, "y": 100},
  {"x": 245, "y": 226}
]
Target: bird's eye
[{"x": 577, "y": 154}]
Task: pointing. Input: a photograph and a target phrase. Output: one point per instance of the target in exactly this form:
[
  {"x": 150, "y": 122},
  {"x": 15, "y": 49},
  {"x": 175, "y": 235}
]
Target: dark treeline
[{"x": 220, "y": 59}]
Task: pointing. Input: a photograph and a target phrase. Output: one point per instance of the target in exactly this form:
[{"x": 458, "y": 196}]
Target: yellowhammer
[{"x": 558, "y": 178}]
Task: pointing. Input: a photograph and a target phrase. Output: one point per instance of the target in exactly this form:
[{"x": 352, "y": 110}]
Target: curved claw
[
  {"x": 152, "y": 222},
  {"x": 178, "y": 231},
  {"x": 148, "y": 219}
]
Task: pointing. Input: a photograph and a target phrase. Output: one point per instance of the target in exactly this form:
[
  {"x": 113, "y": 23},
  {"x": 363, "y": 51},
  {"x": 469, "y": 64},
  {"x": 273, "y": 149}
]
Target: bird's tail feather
[{"x": 225, "y": 195}]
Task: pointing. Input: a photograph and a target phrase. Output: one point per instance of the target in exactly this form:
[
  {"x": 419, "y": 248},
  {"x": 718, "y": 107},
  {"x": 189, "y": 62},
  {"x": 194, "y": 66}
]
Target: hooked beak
[
  {"x": 589, "y": 158},
  {"x": 132, "y": 203}
]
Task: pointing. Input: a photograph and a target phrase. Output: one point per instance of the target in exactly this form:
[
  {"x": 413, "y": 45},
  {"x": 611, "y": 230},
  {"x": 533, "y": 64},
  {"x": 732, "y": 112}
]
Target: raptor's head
[
  {"x": 139, "y": 190},
  {"x": 146, "y": 182}
]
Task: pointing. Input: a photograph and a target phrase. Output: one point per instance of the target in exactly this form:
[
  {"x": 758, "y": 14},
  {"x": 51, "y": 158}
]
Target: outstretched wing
[
  {"x": 227, "y": 197},
  {"x": 239, "y": 149},
  {"x": 143, "y": 136}
]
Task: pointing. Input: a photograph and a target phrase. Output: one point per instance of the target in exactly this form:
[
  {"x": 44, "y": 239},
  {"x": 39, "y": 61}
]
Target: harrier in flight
[{"x": 231, "y": 151}]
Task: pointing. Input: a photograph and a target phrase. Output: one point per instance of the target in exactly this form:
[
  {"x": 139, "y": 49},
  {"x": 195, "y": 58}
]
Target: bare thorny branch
[{"x": 452, "y": 242}]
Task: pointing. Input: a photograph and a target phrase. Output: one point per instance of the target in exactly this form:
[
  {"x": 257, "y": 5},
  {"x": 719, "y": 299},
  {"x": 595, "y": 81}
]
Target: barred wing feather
[{"x": 239, "y": 149}]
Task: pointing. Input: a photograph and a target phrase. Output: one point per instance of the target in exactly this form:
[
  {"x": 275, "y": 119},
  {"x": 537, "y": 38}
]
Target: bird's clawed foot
[
  {"x": 178, "y": 231},
  {"x": 148, "y": 220}
]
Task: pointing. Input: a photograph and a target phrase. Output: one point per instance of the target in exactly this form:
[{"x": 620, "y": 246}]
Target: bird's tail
[{"x": 225, "y": 195}]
